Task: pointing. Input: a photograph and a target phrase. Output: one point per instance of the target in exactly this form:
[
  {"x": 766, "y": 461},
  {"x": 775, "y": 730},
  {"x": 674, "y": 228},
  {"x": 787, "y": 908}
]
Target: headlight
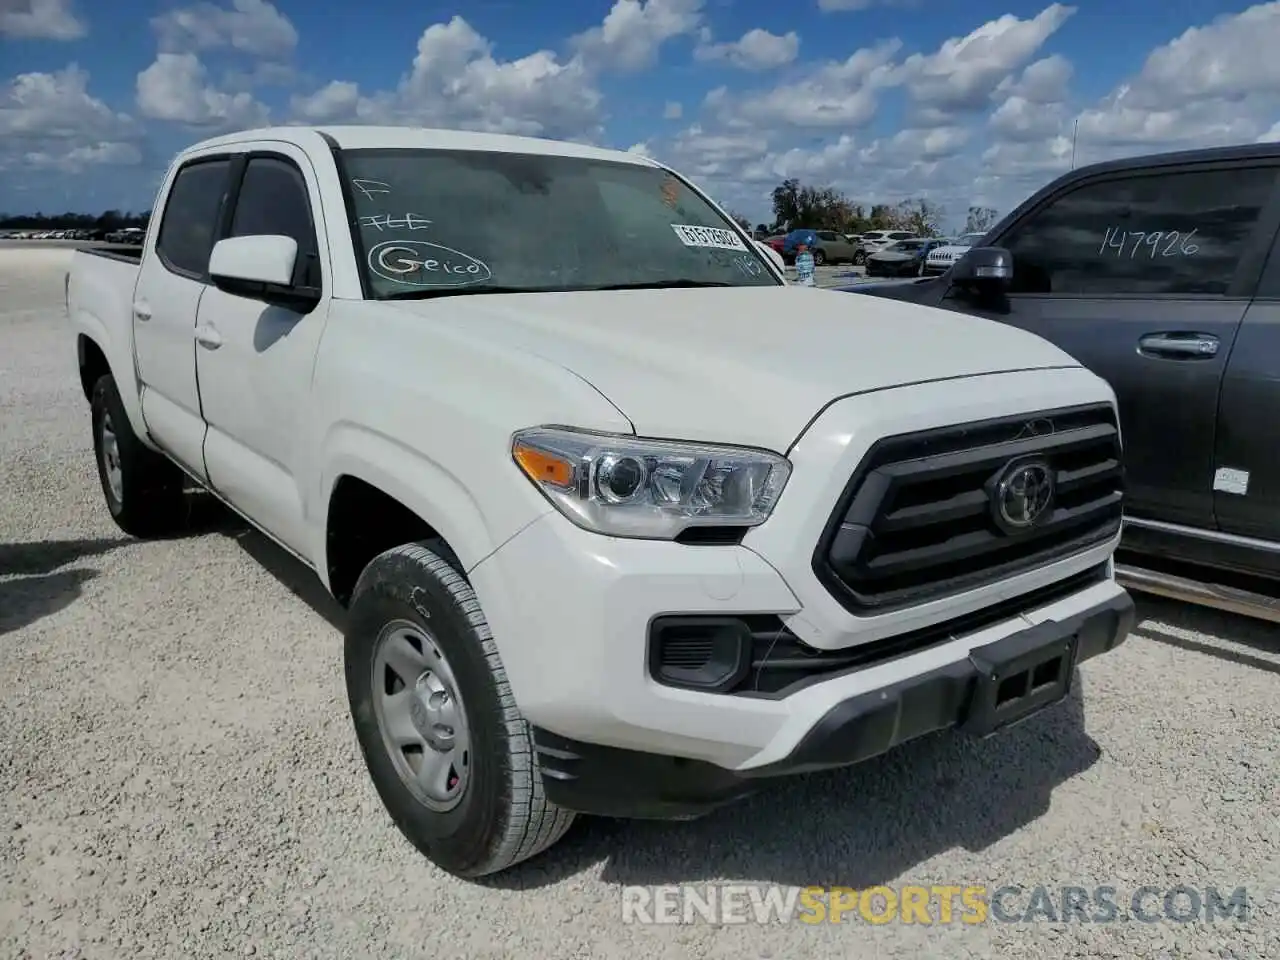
[{"x": 630, "y": 487}]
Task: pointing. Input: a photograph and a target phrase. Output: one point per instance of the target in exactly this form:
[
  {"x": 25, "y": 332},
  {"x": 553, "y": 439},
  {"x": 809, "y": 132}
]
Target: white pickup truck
[{"x": 623, "y": 524}]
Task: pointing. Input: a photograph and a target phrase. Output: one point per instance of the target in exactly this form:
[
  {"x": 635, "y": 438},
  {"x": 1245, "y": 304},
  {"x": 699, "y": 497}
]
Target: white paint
[
  {"x": 258, "y": 259},
  {"x": 420, "y": 399},
  {"x": 695, "y": 236},
  {"x": 1229, "y": 480}
]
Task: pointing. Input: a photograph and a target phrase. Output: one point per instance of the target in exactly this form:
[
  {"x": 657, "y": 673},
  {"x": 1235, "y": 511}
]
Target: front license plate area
[{"x": 1018, "y": 676}]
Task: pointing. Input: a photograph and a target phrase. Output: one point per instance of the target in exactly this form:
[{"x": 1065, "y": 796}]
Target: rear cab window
[{"x": 1146, "y": 233}]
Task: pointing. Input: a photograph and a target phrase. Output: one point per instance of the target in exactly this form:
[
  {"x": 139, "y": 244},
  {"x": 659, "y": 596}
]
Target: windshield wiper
[
  {"x": 428, "y": 293},
  {"x": 664, "y": 285}
]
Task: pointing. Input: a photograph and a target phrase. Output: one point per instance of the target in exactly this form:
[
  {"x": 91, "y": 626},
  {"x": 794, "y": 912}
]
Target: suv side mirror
[
  {"x": 260, "y": 267},
  {"x": 988, "y": 269}
]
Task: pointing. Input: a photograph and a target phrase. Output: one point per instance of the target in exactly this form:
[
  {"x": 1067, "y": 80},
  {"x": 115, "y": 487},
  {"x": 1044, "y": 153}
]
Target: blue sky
[{"x": 964, "y": 103}]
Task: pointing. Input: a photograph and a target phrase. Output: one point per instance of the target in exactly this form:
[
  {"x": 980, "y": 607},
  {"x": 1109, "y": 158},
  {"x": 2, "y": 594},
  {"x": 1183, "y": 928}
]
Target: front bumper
[
  {"x": 966, "y": 693},
  {"x": 573, "y": 612}
]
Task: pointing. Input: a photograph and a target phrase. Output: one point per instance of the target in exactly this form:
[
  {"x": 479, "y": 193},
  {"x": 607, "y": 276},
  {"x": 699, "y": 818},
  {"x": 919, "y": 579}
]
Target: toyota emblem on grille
[{"x": 1023, "y": 494}]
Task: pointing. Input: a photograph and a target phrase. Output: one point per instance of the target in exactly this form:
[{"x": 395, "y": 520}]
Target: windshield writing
[{"x": 431, "y": 222}]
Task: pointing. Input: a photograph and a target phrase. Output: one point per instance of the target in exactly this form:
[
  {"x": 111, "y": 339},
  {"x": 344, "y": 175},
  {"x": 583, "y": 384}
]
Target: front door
[
  {"x": 1144, "y": 278},
  {"x": 255, "y": 372},
  {"x": 172, "y": 279}
]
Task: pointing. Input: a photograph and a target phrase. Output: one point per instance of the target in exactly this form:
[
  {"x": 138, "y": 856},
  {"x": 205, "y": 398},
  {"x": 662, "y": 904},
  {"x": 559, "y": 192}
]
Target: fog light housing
[{"x": 712, "y": 654}]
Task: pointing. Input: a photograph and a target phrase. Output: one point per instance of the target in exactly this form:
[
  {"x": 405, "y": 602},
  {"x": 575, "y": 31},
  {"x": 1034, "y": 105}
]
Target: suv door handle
[
  {"x": 208, "y": 336},
  {"x": 1182, "y": 346},
  {"x": 141, "y": 310}
]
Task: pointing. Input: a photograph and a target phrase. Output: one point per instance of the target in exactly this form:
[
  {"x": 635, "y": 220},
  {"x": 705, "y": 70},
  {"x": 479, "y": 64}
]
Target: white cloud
[
  {"x": 40, "y": 20},
  {"x": 1216, "y": 83},
  {"x": 253, "y": 27},
  {"x": 634, "y": 31},
  {"x": 175, "y": 88},
  {"x": 966, "y": 71},
  {"x": 840, "y": 6},
  {"x": 755, "y": 50},
  {"x": 839, "y": 94},
  {"x": 50, "y": 119},
  {"x": 456, "y": 81}
]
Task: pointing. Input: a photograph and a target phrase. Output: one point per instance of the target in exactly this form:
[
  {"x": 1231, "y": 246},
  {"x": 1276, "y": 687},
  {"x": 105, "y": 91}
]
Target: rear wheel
[
  {"x": 443, "y": 741},
  {"x": 143, "y": 490},
  {"x": 859, "y": 259},
  {"x": 819, "y": 258}
]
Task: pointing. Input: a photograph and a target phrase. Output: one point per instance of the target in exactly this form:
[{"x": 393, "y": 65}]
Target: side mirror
[
  {"x": 260, "y": 267},
  {"x": 984, "y": 268}
]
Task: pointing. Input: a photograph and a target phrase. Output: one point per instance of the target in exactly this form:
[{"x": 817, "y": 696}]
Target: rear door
[
  {"x": 172, "y": 279},
  {"x": 1144, "y": 276},
  {"x": 1247, "y": 466}
]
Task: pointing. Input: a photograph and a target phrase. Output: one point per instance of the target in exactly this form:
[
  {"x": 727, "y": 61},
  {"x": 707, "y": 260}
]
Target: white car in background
[
  {"x": 877, "y": 240},
  {"x": 941, "y": 258}
]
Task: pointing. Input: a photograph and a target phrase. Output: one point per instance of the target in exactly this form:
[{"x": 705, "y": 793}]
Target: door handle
[
  {"x": 1193, "y": 346},
  {"x": 141, "y": 310},
  {"x": 208, "y": 336}
]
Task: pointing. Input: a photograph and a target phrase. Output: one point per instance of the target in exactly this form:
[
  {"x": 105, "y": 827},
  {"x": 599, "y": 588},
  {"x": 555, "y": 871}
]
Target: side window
[
  {"x": 827, "y": 235},
  {"x": 1168, "y": 233},
  {"x": 191, "y": 215},
  {"x": 273, "y": 200}
]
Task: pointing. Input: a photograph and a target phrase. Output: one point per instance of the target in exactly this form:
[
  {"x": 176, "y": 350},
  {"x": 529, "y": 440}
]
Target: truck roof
[
  {"x": 1239, "y": 151},
  {"x": 357, "y": 136}
]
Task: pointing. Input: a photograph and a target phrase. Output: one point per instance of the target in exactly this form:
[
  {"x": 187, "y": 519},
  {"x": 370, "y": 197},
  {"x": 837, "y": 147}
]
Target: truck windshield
[{"x": 443, "y": 222}]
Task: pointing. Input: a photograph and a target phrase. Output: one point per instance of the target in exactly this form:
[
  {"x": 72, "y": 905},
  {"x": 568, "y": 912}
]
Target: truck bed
[{"x": 126, "y": 253}]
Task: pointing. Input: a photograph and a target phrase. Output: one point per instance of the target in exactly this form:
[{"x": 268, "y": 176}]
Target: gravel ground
[{"x": 181, "y": 779}]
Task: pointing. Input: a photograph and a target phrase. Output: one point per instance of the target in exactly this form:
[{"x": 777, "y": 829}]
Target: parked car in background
[
  {"x": 827, "y": 246},
  {"x": 902, "y": 259},
  {"x": 877, "y": 240},
  {"x": 776, "y": 242},
  {"x": 1161, "y": 274},
  {"x": 941, "y": 257}
]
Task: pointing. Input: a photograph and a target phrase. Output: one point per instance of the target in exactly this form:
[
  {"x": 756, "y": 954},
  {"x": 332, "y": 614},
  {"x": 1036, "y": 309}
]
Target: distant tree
[
  {"x": 740, "y": 220},
  {"x": 922, "y": 217},
  {"x": 107, "y": 221},
  {"x": 762, "y": 229},
  {"x": 980, "y": 220}
]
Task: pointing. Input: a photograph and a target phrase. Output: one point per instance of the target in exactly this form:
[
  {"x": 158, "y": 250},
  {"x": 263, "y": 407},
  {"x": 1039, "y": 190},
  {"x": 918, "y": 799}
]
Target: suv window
[
  {"x": 827, "y": 235},
  {"x": 191, "y": 216},
  {"x": 901, "y": 235},
  {"x": 1169, "y": 233},
  {"x": 273, "y": 200}
]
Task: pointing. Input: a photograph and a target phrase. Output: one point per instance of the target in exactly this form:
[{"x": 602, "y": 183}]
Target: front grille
[{"x": 918, "y": 520}]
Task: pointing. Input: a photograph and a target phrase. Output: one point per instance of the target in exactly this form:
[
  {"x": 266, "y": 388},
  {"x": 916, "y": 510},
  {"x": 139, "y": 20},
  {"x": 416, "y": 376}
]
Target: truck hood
[{"x": 745, "y": 365}]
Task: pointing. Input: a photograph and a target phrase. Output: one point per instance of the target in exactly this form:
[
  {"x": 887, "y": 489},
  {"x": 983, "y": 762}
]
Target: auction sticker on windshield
[{"x": 692, "y": 236}]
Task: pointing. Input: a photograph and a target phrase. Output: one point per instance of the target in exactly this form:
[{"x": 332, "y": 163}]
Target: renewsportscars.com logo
[{"x": 968, "y": 904}]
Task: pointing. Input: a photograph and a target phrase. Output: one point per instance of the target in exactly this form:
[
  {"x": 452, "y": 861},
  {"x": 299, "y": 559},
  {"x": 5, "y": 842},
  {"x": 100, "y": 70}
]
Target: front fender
[{"x": 425, "y": 487}]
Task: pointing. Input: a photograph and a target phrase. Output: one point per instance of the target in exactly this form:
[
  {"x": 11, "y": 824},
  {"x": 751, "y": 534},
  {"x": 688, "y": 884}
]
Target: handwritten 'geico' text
[{"x": 417, "y": 263}]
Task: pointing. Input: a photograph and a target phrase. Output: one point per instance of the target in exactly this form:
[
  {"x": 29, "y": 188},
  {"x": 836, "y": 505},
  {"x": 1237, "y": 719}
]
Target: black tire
[
  {"x": 819, "y": 258},
  {"x": 502, "y": 815},
  {"x": 149, "y": 501},
  {"x": 859, "y": 259}
]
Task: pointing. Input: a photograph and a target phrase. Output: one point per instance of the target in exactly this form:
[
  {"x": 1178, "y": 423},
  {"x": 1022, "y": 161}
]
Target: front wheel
[
  {"x": 443, "y": 741},
  {"x": 819, "y": 258},
  {"x": 859, "y": 259}
]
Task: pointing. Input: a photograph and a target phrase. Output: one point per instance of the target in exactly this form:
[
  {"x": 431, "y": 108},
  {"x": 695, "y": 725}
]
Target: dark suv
[{"x": 1162, "y": 275}]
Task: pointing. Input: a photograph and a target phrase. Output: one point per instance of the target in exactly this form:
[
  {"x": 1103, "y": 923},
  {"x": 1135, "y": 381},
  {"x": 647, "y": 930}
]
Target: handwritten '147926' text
[{"x": 1167, "y": 243}]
